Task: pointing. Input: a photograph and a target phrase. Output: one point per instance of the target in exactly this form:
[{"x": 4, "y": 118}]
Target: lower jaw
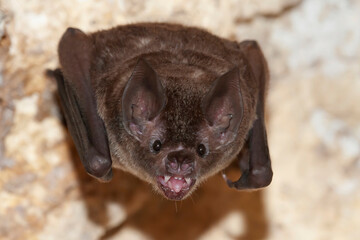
[
  {"x": 176, "y": 196},
  {"x": 173, "y": 195}
]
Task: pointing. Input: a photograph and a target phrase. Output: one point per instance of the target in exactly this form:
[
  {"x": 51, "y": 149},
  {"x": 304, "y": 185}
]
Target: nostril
[
  {"x": 174, "y": 165},
  {"x": 186, "y": 165}
]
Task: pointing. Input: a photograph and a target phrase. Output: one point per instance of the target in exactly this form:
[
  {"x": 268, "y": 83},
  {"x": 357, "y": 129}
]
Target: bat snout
[
  {"x": 180, "y": 163},
  {"x": 178, "y": 180}
]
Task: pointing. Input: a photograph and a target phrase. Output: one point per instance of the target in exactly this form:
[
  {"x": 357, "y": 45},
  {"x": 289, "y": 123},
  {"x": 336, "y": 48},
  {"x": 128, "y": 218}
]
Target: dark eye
[
  {"x": 156, "y": 146},
  {"x": 201, "y": 150}
]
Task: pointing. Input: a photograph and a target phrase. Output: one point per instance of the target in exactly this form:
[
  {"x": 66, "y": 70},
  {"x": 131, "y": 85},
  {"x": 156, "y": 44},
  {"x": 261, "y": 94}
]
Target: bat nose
[{"x": 180, "y": 162}]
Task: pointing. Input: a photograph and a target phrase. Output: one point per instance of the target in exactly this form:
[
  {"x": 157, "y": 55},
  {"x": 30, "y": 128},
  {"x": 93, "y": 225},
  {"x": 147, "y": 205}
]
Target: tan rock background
[{"x": 313, "y": 117}]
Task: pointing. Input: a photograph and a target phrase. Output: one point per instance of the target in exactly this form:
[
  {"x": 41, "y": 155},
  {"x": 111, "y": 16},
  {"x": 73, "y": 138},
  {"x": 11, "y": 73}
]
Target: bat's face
[{"x": 180, "y": 135}]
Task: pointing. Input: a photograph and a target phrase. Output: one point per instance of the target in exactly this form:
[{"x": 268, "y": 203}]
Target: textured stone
[{"x": 313, "y": 49}]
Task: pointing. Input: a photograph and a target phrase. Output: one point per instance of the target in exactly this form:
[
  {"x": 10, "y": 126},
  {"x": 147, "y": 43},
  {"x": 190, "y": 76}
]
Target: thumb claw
[{"x": 227, "y": 180}]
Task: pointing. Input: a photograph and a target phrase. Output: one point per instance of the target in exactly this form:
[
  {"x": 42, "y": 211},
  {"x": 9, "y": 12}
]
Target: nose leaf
[{"x": 179, "y": 163}]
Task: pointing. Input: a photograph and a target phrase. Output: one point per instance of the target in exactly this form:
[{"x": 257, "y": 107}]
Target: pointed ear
[
  {"x": 77, "y": 98},
  {"x": 257, "y": 172},
  {"x": 223, "y": 107},
  {"x": 142, "y": 100}
]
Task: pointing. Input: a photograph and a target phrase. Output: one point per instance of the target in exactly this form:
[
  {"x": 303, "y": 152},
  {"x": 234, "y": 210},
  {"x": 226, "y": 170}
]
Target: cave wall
[{"x": 313, "y": 119}]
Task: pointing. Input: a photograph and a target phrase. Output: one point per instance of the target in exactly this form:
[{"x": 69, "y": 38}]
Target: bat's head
[{"x": 179, "y": 132}]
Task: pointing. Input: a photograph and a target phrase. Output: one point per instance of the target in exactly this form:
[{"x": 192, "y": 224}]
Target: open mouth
[{"x": 175, "y": 187}]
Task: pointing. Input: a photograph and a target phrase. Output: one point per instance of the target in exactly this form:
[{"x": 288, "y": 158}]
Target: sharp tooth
[
  {"x": 188, "y": 180},
  {"x": 166, "y": 178}
]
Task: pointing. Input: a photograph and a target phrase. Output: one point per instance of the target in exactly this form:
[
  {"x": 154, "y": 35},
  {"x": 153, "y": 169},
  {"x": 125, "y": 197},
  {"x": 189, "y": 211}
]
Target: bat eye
[
  {"x": 156, "y": 146},
  {"x": 201, "y": 150}
]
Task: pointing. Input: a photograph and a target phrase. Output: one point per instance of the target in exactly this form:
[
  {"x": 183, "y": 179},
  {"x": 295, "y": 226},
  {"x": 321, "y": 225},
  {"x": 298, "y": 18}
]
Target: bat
[{"x": 173, "y": 105}]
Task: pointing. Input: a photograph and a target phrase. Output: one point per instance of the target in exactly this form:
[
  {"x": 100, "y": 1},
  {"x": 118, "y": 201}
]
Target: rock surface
[{"x": 313, "y": 49}]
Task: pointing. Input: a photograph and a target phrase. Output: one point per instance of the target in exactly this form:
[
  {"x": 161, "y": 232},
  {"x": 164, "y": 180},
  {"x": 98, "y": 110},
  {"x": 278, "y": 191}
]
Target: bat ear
[
  {"x": 257, "y": 172},
  {"x": 142, "y": 100},
  {"x": 76, "y": 51},
  {"x": 223, "y": 107}
]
